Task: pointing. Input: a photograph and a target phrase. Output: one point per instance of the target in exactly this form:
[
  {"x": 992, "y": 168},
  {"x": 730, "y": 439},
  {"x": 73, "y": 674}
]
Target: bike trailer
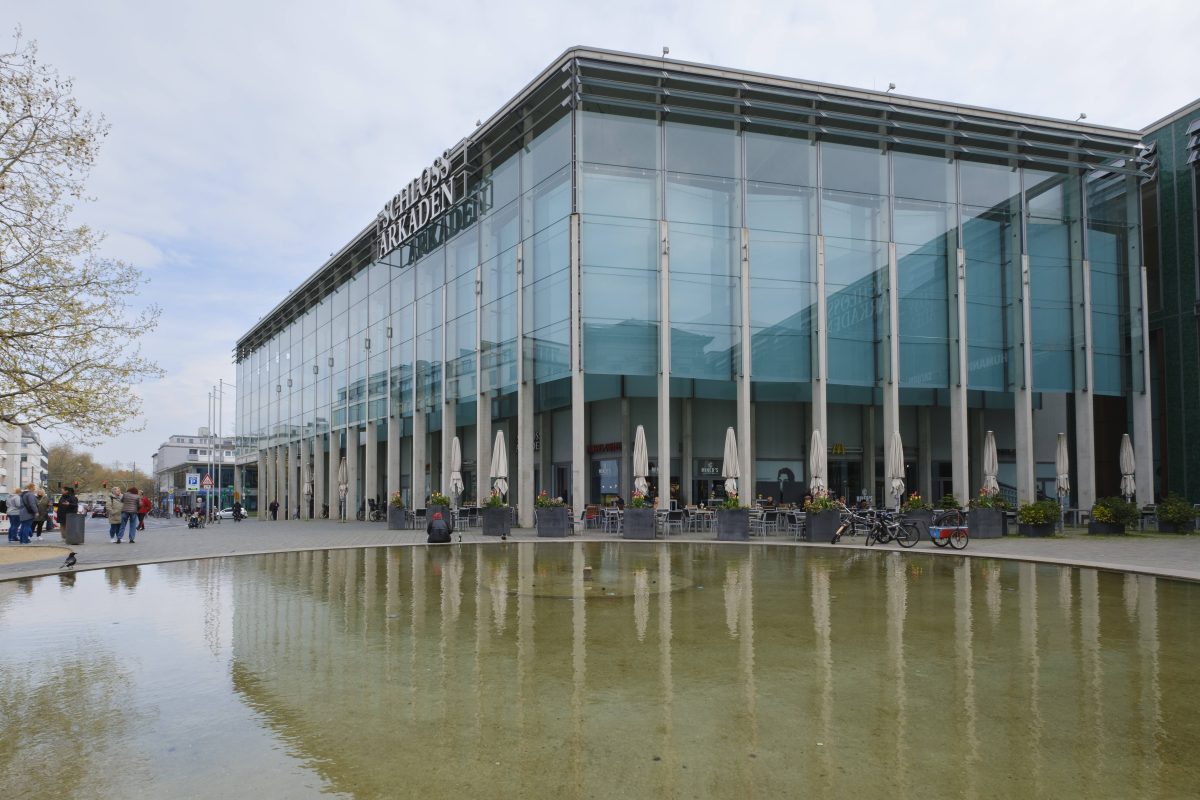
[{"x": 946, "y": 532}]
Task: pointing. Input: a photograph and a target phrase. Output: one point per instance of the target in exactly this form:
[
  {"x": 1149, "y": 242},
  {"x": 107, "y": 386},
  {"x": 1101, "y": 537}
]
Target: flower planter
[
  {"x": 1043, "y": 529},
  {"x": 552, "y": 521},
  {"x": 1176, "y": 527},
  {"x": 987, "y": 523},
  {"x": 497, "y": 520},
  {"x": 397, "y": 519},
  {"x": 1105, "y": 527},
  {"x": 733, "y": 524},
  {"x": 822, "y": 525},
  {"x": 637, "y": 523},
  {"x": 922, "y": 519}
]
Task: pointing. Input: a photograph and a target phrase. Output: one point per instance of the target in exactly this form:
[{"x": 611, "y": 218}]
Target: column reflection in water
[
  {"x": 666, "y": 679},
  {"x": 897, "y": 609},
  {"x": 1150, "y": 703},
  {"x": 819, "y": 590},
  {"x": 641, "y": 602},
  {"x": 1065, "y": 595},
  {"x": 1027, "y": 588},
  {"x": 964, "y": 639},
  {"x": 419, "y": 556},
  {"x": 391, "y": 608},
  {"x": 1129, "y": 593},
  {"x": 525, "y": 645},
  {"x": 578, "y": 668},
  {"x": 992, "y": 591},
  {"x": 450, "y": 571},
  {"x": 739, "y": 619},
  {"x": 1093, "y": 671}
]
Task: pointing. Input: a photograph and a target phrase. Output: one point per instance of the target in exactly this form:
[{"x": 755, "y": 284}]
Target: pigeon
[{"x": 70, "y": 562}]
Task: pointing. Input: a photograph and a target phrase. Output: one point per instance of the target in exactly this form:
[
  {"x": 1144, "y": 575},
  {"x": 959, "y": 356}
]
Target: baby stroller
[{"x": 196, "y": 520}]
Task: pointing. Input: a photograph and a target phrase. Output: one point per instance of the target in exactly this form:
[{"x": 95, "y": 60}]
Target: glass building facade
[{"x": 691, "y": 249}]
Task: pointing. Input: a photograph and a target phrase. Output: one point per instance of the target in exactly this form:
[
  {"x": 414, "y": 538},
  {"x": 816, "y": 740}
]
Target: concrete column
[
  {"x": 925, "y": 455},
  {"x": 578, "y": 405},
  {"x": 418, "y": 458},
  {"x": 975, "y": 434},
  {"x": 1085, "y": 422},
  {"x": 335, "y": 461},
  {"x": 1143, "y": 435},
  {"x": 263, "y": 476},
  {"x": 371, "y": 465},
  {"x": 891, "y": 386},
  {"x": 392, "y": 468},
  {"x": 320, "y": 461},
  {"x": 687, "y": 455},
  {"x": 628, "y": 430},
  {"x": 303, "y": 465},
  {"x": 449, "y": 431},
  {"x": 293, "y": 481},
  {"x": 820, "y": 355},
  {"x": 745, "y": 434},
  {"x": 484, "y": 443},
  {"x": 960, "y": 446},
  {"x": 1023, "y": 394},
  {"x": 354, "y": 501},
  {"x": 664, "y": 366},
  {"x": 870, "y": 445},
  {"x": 524, "y": 407}
]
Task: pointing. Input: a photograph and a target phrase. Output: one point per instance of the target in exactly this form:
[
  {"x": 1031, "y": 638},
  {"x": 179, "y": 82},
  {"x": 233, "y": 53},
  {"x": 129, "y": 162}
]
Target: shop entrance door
[{"x": 845, "y": 478}]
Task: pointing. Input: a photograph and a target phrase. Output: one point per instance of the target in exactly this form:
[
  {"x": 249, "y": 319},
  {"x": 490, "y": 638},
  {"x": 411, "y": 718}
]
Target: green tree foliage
[{"x": 68, "y": 337}]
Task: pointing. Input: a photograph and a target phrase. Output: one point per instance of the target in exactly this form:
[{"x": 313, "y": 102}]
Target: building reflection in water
[{"x": 884, "y": 655}]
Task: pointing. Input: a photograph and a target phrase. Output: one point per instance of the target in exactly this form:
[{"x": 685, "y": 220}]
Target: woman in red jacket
[{"x": 143, "y": 510}]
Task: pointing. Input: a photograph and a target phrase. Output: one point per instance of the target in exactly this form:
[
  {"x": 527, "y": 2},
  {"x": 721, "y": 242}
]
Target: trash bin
[{"x": 73, "y": 529}]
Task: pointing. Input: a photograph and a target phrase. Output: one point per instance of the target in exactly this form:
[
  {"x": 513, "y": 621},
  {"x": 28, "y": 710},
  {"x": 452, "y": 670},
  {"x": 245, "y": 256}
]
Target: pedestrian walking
[
  {"x": 68, "y": 504},
  {"x": 10, "y": 509},
  {"x": 12, "y": 536},
  {"x": 43, "y": 513},
  {"x": 274, "y": 507},
  {"x": 237, "y": 511},
  {"x": 129, "y": 513},
  {"x": 113, "y": 512},
  {"x": 28, "y": 510},
  {"x": 143, "y": 509}
]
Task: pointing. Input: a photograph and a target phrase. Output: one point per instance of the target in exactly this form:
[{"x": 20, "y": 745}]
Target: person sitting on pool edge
[{"x": 438, "y": 529}]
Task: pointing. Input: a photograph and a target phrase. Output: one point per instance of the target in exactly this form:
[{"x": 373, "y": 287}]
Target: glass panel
[
  {"x": 925, "y": 235},
  {"x": 921, "y": 177},
  {"x": 1053, "y": 211},
  {"x": 855, "y": 272},
  {"x": 776, "y": 207},
  {"x": 619, "y": 191},
  {"x": 618, "y": 140},
  {"x": 548, "y": 152},
  {"x": 703, "y": 200},
  {"x": 620, "y": 295},
  {"x": 780, "y": 159},
  {"x": 702, "y": 149},
  {"x": 705, "y": 301},
  {"x": 853, "y": 169}
]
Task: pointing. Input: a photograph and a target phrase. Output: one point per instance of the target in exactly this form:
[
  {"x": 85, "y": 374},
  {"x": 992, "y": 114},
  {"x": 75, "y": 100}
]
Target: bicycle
[
  {"x": 854, "y": 521},
  {"x": 888, "y": 527}
]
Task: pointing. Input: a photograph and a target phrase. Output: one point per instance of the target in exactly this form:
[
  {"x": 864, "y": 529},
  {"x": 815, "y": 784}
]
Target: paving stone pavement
[{"x": 170, "y": 540}]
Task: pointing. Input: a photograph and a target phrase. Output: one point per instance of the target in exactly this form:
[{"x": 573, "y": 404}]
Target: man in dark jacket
[
  {"x": 274, "y": 509},
  {"x": 67, "y": 504},
  {"x": 438, "y": 529}
]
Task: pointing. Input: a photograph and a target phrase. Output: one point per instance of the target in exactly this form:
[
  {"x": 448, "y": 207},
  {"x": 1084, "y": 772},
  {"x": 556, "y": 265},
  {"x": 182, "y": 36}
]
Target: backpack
[{"x": 438, "y": 532}]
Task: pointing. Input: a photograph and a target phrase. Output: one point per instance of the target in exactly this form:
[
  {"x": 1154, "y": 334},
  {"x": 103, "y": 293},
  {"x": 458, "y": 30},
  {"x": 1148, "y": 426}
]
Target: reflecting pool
[{"x": 599, "y": 670}]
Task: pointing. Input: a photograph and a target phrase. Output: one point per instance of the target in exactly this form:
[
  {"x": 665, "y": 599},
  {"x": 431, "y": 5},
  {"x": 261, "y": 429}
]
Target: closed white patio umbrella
[
  {"x": 1128, "y": 468},
  {"x": 456, "y": 481},
  {"x": 991, "y": 464},
  {"x": 895, "y": 464},
  {"x": 816, "y": 463},
  {"x": 499, "y": 473},
  {"x": 1062, "y": 477},
  {"x": 641, "y": 461},
  {"x": 729, "y": 466}
]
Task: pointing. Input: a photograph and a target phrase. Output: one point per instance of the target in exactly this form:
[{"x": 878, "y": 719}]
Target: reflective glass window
[{"x": 618, "y": 140}]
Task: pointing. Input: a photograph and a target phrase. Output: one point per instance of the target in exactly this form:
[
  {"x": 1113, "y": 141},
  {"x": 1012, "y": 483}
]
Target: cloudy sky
[{"x": 251, "y": 139}]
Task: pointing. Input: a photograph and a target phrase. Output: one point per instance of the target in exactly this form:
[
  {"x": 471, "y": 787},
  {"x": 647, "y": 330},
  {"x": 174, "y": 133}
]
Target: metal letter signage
[{"x": 427, "y": 212}]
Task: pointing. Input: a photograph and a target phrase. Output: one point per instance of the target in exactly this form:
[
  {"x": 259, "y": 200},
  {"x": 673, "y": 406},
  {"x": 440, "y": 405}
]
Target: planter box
[
  {"x": 1176, "y": 527},
  {"x": 733, "y": 525},
  {"x": 497, "y": 520},
  {"x": 637, "y": 523},
  {"x": 72, "y": 530},
  {"x": 397, "y": 519},
  {"x": 987, "y": 523},
  {"x": 552, "y": 521},
  {"x": 822, "y": 525},
  {"x": 922, "y": 519},
  {"x": 1105, "y": 527},
  {"x": 1045, "y": 529}
]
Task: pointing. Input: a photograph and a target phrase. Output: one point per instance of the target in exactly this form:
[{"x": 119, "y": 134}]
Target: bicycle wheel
[
  {"x": 958, "y": 539},
  {"x": 941, "y": 542},
  {"x": 908, "y": 535},
  {"x": 871, "y": 537}
]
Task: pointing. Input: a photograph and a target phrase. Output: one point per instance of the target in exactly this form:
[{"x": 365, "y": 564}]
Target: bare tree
[{"x": 69, "y": 352}]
